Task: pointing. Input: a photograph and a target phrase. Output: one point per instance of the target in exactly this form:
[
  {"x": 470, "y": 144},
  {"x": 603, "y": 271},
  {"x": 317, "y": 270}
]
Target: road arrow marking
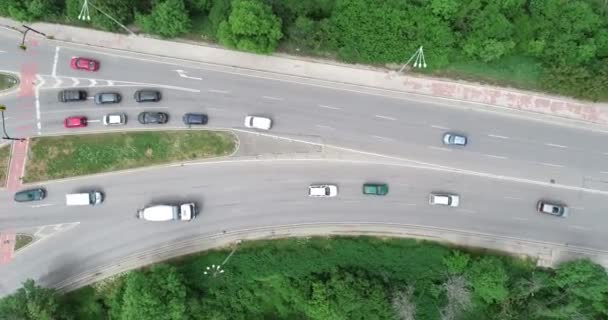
[{"x": 182, "y": 74}]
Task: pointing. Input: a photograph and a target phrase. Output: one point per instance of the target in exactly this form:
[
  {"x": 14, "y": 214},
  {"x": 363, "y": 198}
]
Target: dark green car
[
  {"x": 30, "y": 195},
  {"x": 376, "y": 189}
]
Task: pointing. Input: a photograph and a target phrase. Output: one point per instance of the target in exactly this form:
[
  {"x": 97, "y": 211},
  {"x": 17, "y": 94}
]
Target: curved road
[{"x": 510, "y": 163}]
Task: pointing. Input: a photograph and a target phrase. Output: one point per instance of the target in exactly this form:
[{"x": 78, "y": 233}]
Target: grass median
[
  {"x": 68, "y": 156},
  {"x": 5, "y": 153}
]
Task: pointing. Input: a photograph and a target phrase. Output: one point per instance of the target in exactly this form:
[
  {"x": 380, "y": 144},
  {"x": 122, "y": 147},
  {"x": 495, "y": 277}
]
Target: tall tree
[
  {"x": 158, "y": 293},
  {"x": 30, "y": 302},
  {"x": 169, "y": 18}
]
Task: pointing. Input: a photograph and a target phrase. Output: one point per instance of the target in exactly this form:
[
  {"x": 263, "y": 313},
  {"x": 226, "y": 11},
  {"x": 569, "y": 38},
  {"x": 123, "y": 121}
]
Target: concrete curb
[{"x": 546, "y": 254}]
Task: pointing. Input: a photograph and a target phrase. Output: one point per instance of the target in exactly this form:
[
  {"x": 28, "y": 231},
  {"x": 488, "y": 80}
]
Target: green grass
[
  {"x": 22, "y": 240},
  {"x": 5, "y": 152},
  {"x": 517, "y": 72},
  {"x": 7, "y": 81},
  {"x": 68, "y": 156}
]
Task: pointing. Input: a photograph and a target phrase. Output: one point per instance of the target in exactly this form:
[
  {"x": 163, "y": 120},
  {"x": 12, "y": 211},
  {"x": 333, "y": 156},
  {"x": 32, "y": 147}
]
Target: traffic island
[
  {"x": 76, "y": 155},
  {"x": 5, "y": 153},
  {"x": 8, "y": 81},
  {"x": 22, "y": 240}
]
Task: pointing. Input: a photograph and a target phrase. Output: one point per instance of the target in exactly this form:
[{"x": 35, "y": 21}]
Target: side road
[
  {"x": 331, "y": 71},
  {"x": 546, "y": 254}
]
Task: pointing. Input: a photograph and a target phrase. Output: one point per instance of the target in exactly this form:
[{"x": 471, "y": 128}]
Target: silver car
[
  {"x": 552, "y": 208},
  {"x": 114, "y": 119},
  {"x": 454, "y": 139}
]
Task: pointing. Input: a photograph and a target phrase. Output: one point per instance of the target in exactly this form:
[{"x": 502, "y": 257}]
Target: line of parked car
[{"x": 435, "y": 198}]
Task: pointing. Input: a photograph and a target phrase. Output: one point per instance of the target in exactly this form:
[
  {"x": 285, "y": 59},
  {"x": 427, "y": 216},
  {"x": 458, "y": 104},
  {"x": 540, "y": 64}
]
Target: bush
[{"x": 168, "y": 18}]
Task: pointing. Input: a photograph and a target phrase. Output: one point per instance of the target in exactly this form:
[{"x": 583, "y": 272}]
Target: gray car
[
  {"x": 454, "y": 139},
  {"x": 195, "y": 118},
  {"x": 107, "y": 97},
  {"x": 148, "y": 117},
  {"x": 30, "y": 195},
  {"x": 147, "y": 96}
]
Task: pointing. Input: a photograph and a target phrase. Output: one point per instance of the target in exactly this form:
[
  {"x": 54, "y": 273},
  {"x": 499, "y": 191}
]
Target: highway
[{"x": 511, "y": 160}]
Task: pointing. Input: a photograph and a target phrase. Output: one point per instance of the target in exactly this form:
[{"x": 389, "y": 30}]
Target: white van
[{"x": 84, "y": 199}]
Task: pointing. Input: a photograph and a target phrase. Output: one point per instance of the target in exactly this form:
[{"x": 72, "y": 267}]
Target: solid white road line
[
  {"x": 54, "y": 74},
  {"x": 439, "y": 127},
  {"x": 439, "y": 148},
  {"x": 555, "y": 145},
  {"x": 272, "y": 98},
  {"x": 328, "y": 107},
  {"x": 497, "y": 136},
  {"x": 495, "y": 156},
  {"x": 39, "y": 84},
  {"x": 551, "y": 165},
  {"x": 383, "y": 138},
  {"x": 43, "y": 205},
  {"x": 218, "y": 91},
  {"x": 385, "y": 117}
]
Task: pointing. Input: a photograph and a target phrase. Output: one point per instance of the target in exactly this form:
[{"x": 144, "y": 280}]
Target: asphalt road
[{"x": 503, "y": 150}]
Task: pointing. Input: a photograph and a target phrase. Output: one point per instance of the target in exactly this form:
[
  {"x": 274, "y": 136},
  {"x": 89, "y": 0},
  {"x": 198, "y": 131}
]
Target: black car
[
  {"x": 152, "y": 117},
  {"x": 72, "y": 95},
  {"x": 195, "y": 118},
  {"x": 30, "y": 195},
  {"x": 147, "y": 96}
]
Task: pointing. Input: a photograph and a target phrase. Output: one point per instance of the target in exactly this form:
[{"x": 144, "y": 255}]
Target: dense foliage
[
  {"x": 341, "y": 278},
  {"x": 556, "y": 45}
]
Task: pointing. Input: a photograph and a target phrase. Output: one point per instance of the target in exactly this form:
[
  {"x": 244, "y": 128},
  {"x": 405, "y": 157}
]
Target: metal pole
[
  {"x": 110, "y": 17},
  {"x": 6, "y": 137},
  {"x": 22, "y": 45}
]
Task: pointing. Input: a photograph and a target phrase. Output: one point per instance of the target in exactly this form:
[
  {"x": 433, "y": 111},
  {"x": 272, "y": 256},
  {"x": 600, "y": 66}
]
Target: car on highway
[
  {"x": 168, "y": 212},
  {"x": 72, "y": 95},
  {"x": 257, "y": 122},
  {"x": 148, "y": 117},
  {"x": 35, "y": 194},
  {"x": 107, "y": 98},
  {"x": 147, "y": 96},
  {"x": 552, "y": 208},
  {"x": 195, "y": 118},
  {"x": 90, "y": 198},
  {"x": 376, "y": 189},
  {"x": 114, "y": 119},
  {"x": 79, "y": 63},
  {"x": 323, "y": 190},
  {"x": 444, "y": 199},
  {"x": 453, "y": 139},
  {"x": 75, "y": 122}
]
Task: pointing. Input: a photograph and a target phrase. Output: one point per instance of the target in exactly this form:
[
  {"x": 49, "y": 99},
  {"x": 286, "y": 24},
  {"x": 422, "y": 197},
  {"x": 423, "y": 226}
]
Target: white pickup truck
[{"x": 166, "y": 212}]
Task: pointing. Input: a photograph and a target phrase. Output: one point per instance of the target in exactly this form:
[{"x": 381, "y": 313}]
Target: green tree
[
  {"x": 169, "y": 18},
  {"x": 309, "y": 34},
  {"x": 489, "y": 280},
  {"x": 121, "y": 10},
  {"x": 457, "y": 262},
  {"x": 30, "y": 302},
  {"x": 251, "y": 26},
  {"x": 158, "y": 293}
]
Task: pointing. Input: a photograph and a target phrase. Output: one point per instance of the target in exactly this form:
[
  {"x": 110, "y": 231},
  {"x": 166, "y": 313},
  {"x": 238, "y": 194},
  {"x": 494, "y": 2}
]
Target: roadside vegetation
[
  {"x": 22, "y": 240},
  {"x": 74, "y": 155},
  {"x": 331, "y": 278},
  {"x": 5, "y": 153},
  {"x": 559, "y": 46}
]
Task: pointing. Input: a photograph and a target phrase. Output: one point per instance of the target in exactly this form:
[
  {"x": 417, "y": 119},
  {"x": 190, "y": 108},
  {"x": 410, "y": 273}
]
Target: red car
[
  {"x": 75, "y": 122},
  {"x": 79, "y": 63}
]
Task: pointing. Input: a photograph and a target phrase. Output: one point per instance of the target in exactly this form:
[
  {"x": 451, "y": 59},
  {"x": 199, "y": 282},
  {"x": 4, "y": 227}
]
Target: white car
[
  {"x": 450, "y": 200},
  {"x": 256, "y": 122},
  {"x": 323, "y": 190},
  {"x": 114, "y": 119}
]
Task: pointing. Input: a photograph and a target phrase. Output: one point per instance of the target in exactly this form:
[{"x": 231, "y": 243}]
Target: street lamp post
[
  {"x": 419, "y": 60},
  {"x": 5, "y": 136},
  {"x": 216, "y": 269},
  {"x": 22, "y": 45},
  {"x": 85, "y": 16}
]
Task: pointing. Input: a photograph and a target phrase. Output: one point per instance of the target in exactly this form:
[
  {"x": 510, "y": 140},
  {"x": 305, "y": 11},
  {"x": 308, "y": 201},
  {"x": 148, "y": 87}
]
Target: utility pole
[
  {"x": 419, "y": 60},
  {"x": 85, "y": 16},
  {"x": 215, "y": 269},
  {"x": 5, "y": 136},
  {"x": 22, "y": 45}
]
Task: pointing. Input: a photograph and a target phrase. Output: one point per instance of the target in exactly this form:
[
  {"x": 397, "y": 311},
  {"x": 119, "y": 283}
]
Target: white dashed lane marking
[
  {"x": 556, "y": 145},
  {"x": 497, "y": 136},
  {"x": 439, "y": 127},
  {"x": 495, "y": 156},
  {"x": 385, "y": 117},
  {"x": 383, "y": 138},
  {"x": 272, "y": 98},
  {"x": 439, "y": 148},
  {"x": 328, "y": 107},
  {"x": 551, "y": 165}
]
